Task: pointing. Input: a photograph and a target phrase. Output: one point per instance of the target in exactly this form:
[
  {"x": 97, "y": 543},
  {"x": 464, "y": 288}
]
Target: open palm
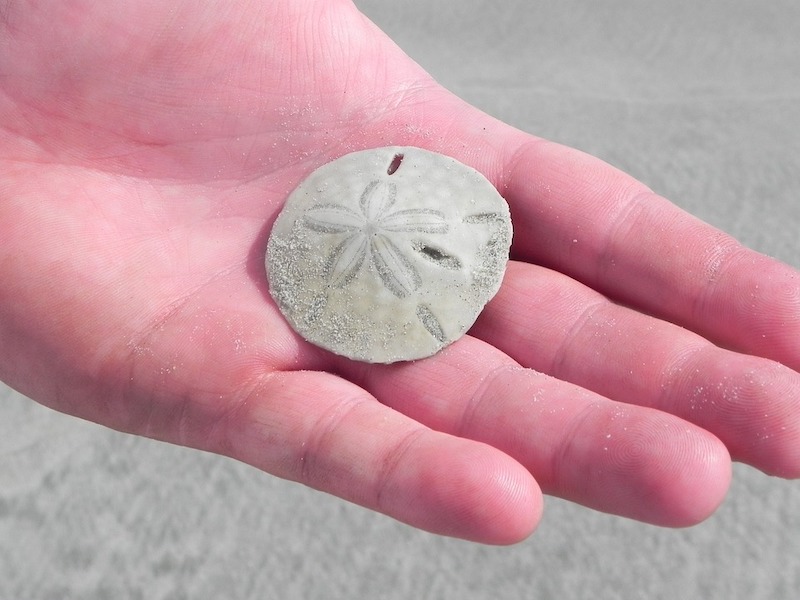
[{"x": 145, "y": 150}]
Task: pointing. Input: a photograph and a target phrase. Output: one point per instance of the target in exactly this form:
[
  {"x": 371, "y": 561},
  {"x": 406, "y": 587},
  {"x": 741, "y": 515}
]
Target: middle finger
[{"x": 552, "y": 323}]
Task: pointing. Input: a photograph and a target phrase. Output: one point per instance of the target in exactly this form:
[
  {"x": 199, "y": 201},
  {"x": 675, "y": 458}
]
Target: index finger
[{"x": 576, "y": 214}]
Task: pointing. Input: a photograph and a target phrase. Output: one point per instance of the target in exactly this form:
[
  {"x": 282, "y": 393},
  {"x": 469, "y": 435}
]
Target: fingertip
[
  {"x": 477, "y": 493},
  {"x": 645, "y": 465},
  {"x": 689, "y": 479},
  {"x": 701, "y": 477}
]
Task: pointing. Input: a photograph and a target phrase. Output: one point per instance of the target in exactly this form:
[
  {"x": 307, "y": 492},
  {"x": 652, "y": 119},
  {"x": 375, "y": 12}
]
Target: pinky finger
[{"x": 327, "y": 433}]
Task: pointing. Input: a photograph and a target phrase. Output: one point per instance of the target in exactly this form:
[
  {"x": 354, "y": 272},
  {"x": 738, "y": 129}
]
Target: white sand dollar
[{"x": 388, "y": 254}]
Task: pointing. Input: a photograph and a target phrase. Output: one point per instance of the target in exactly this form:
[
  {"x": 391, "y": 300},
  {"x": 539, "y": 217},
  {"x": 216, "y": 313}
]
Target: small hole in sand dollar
[
  {"x": 437, "y": 256},
  {"x": 395, "y": 164}
]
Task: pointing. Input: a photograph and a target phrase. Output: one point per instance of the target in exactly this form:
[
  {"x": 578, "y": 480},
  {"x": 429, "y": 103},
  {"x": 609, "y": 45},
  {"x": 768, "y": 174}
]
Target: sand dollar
[{"x": 388, "y": 254}]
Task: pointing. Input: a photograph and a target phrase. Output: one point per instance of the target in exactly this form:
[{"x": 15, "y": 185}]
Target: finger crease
[
  {"x": 561, "y": 355},
  {"x": 390, "y": 465}
]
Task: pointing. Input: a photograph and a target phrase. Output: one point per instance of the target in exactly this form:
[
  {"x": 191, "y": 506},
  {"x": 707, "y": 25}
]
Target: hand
[{"x": 145, "y": 150}]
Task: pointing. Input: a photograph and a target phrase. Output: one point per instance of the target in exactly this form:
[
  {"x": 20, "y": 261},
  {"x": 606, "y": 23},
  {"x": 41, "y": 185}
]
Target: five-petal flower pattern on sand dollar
[{"x": 369, "y": 234}]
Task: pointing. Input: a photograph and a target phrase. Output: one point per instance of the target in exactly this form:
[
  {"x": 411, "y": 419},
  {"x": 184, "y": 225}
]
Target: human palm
[{"x": 145, "y": 150}]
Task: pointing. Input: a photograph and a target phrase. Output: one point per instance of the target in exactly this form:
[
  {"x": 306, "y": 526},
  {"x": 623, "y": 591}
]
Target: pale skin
[{"x": 146, "y": 147}]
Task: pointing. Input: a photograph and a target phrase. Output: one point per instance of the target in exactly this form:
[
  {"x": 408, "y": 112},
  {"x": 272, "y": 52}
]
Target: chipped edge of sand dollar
[{"x": 388, "y": 254}]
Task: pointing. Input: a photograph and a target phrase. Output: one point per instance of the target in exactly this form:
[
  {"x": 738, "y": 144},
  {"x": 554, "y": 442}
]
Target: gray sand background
[{"x": 701, "y": 100}]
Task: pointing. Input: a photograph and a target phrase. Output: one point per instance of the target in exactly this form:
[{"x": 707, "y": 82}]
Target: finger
[
  {"x": 631, "y": 461},
  {"x": 324, "y": 432},
  {"x": 552, "y": 323},
  {"x": 578, "y": 215}
]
